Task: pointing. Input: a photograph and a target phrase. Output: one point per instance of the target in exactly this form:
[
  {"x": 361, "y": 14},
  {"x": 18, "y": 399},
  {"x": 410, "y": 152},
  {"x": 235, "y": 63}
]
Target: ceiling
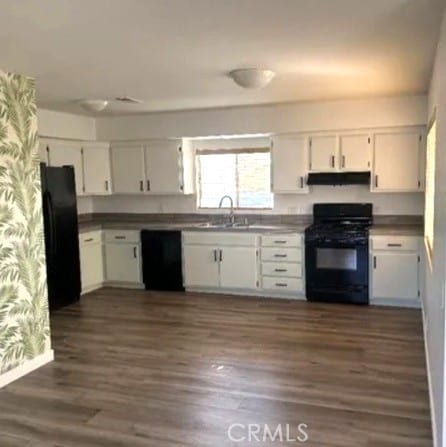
[{"x": 175, "y": 54}]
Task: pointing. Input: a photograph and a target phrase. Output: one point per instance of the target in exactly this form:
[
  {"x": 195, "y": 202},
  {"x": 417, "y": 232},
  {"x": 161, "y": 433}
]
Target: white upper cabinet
[
  {"x": 128, "y": 169},
  {"x": 397, "y": 162},
  {"x": 68, "y": 153},
  {"x": 355, "y": 153},
  {"x": 289, "y": 164},
  {"x": 97, "y": 172},
  {"x": 323, "y": 153},
  {"x": 164, "y": 167},
  {"x": 154, "y": 167}
]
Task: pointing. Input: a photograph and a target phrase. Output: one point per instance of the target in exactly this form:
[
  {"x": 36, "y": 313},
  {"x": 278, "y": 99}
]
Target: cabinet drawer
[
  {"x": 218, "y": 238},
  {"x": 284, "y": 284},
  {"x": 282, "y": 254},
  {"x": 91, "y": 237},
  {"x": 126, "y": 236},
  {"x": 282, "y": 269},
  {"x": 395, "y": 243},
  {"x": 282, "y": 240}
]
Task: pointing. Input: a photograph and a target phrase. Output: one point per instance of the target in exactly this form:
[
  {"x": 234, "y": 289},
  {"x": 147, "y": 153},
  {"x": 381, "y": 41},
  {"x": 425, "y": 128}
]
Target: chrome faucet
[{"x": 231, "y": 211}]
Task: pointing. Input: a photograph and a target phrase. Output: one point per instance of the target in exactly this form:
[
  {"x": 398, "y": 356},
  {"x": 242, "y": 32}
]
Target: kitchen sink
[
  {"x": 222, "y": 225},
  {"x": 237, "y": 226}
]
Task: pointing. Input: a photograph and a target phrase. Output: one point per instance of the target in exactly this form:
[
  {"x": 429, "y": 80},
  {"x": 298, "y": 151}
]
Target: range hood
[{"x": 339, "y": 178}]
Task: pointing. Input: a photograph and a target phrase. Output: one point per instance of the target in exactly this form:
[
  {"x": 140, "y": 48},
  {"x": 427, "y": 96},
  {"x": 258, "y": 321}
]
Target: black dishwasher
[{"x": 161, "y": 260}]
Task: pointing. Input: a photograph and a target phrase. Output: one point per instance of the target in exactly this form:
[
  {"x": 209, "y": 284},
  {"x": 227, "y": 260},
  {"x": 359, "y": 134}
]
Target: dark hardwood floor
[{"x": 137, "y": 369}]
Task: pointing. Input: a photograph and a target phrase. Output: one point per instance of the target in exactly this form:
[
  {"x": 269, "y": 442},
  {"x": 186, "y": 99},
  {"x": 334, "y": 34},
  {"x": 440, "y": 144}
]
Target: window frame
[
  {"x": 235, "y": 151},
  {"x": 429, "y": 242}
]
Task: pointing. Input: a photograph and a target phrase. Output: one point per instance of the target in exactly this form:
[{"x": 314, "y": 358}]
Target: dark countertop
[
  {"x": 389, "y": 229},
  {"x": 396, "y": 230}
]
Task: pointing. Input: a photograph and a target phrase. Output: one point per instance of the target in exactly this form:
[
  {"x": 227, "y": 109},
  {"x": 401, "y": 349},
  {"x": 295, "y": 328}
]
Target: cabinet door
[
  {"x": 200, "y": 266},
  {"x": 92, "y": 265},
  {"x": 395, "y": 275},
  {"x": 97, "y": 173},
  {"x": 323, "y": 153},
  {"x": 123, "y": 263},
  {"x": 128, "y": 175},
  {"x": 68, "y": 154},
  {"x": 355, "y": 152},
  {"x": 289, "y": 164},
  {"x": 238, "y": 267},
  {"x": 396, "y": 162},
  {"x": 163, "y": 168},
  {"x": 44, "y": 151}
]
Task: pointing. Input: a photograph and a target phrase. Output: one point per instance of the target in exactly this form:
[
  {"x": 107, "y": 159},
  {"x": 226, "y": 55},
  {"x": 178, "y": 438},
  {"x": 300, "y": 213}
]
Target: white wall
[
  {"x": 283, "y": 204},
  {"x": 84, "y": 205},
  {"x": 65, "y": 125},
  {"x": 296, "y": 117},
  {"x": 435, "y": 279}
]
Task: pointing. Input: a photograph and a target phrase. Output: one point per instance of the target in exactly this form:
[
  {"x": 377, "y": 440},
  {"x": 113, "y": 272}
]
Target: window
[
  {"x": 243, "y": 174},
  {"x": 430, "y": 189}
]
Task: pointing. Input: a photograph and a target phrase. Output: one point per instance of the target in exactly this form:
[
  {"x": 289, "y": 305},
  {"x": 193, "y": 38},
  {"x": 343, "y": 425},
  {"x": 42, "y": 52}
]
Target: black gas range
[{"x": 337, "y": 253}]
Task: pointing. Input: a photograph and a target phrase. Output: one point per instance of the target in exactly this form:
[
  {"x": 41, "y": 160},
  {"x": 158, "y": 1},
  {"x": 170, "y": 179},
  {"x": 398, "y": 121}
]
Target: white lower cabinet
[
  {"x": 91, "y": 260},
  {"x": 123, "y": 257},
  {"x": 282, "y": 264},
  {"x": 238, "y": 267},
  {"x": 220, "y": 260},
  {"x": 395, "y": 269},
  {"x": 200, "y": 266}
]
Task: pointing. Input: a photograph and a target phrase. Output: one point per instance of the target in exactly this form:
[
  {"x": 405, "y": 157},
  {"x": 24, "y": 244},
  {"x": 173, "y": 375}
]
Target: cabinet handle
[
  {"x": 215, "y": 255},
  {"x": 280, "y": 242},
  {"x": 135, "y": 254},
  {"x": 343, "y": 161},
  {"x": 221, "y": 255},
  {"x": 281, "y": 284},
  {"x": 280, "y": 270},
  {"x": 148, "y": 185},
  {"x": 376, "y": 181},
  {"x": 141, "y": 185},
  {"x": 301, "y": 183},
  {"x": 374, "y": 262},
  {"x": 106, "y": 185},
  {"x": 394, "y": 245},
  {"x": 280, "y": 256},
  {"x": 119, "y": 237},
  {"x": 332, "y": 161},
  {"x": 88, "y": 240}
]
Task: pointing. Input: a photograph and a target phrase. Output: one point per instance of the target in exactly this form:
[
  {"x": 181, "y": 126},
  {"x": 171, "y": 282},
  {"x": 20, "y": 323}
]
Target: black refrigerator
[{"x": 61, "y": 235}]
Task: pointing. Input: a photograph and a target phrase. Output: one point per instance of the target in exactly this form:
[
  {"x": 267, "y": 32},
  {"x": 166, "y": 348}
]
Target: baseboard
[
  {"x": 395, "y": 302},
  {"x": 429, "y": 382},
  {"x": 92, "y": 288},
  {"x": 26, "y": 368},
  {"x": 247, "y": 292},
  {"x": 124, "y": 285}
]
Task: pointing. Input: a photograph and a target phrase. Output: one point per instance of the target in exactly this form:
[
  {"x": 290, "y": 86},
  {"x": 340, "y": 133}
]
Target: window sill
[
  {"x": 235, "y": 209},
  {"x": 429, "y": 255}
]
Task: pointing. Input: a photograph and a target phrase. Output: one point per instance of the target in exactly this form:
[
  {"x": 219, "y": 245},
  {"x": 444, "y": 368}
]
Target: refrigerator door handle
[{"x": 52, "y": 224}]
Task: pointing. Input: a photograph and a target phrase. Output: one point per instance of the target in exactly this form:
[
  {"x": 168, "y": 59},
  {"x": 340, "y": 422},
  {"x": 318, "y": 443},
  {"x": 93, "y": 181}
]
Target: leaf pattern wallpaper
[{"x": 24, "y": 318}]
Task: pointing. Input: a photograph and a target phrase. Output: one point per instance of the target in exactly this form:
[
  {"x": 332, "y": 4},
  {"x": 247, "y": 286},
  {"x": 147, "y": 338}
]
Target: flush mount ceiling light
[
  {"x": 93, "y": 105},
  {"x": 252, "y": 77}
]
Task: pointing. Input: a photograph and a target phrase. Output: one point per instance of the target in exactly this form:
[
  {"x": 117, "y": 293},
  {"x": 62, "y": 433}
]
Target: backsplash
[{"x": 383, "y": 204}]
